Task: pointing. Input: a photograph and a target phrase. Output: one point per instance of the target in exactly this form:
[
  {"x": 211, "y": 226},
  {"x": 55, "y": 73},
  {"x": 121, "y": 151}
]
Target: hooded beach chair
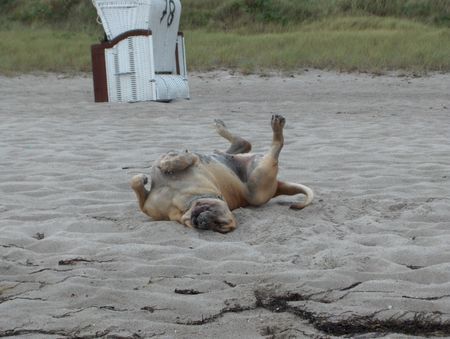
[{"x": 143, "y": 55}]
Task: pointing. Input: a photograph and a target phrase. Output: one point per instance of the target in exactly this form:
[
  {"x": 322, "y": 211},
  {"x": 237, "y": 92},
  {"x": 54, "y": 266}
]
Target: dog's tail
[
  {"x": 138, "y": 183},
  {"x": 287, "y": 188}
]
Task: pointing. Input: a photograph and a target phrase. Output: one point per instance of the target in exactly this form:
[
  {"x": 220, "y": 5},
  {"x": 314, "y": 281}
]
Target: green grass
[
  {"x": 368, "y": 44},
  {"x": 347, "y": 44},
  {"x": 43, "y": 49},
  {"x": 246, "y": 35}
]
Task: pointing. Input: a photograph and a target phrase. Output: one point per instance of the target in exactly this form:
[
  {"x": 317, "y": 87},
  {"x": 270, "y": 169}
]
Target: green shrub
[{"x": 231, "y": 14}]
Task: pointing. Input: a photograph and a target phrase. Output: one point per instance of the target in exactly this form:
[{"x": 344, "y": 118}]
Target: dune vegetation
[{"x": 245, "y": 35}]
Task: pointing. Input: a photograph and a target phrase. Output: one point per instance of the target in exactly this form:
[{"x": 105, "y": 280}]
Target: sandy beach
[{"x": 369, "y": 258}]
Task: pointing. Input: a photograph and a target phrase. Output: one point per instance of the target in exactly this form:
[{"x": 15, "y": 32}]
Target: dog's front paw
[
  {"x": 278, "y": 122},
  {"x": 139, "y": 180},
  {"x": 174, "y": 162}
]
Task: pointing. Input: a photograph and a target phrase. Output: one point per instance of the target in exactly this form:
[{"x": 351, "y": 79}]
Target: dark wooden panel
[{"x": 99, "y": 63}]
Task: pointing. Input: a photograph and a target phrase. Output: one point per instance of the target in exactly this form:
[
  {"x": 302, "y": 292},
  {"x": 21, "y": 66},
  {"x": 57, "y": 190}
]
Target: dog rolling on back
[{"x": 200, "y": 191}]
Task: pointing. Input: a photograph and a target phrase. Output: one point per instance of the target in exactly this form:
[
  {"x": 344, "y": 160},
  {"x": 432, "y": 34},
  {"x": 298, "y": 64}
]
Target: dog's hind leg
[
  {"x": 138, "y": 183},
  {"x": 262, "y": 181},
  {"x": 238, "y": 144},
  {"x": 286, "y": 188}
]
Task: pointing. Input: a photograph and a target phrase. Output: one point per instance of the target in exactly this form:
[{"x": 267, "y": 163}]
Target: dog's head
[{"x": 210, "y": 214}]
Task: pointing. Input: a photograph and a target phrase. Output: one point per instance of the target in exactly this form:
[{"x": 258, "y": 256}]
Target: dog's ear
[{"x": 138, "y": 183}]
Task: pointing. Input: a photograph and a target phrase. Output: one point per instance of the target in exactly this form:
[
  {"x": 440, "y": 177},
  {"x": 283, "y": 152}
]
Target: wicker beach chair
[{"x": 144, "y": 55}]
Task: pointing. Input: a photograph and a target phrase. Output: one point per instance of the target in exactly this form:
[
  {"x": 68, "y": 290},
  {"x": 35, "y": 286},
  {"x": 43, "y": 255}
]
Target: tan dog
[{"x": 201, "y": 191}]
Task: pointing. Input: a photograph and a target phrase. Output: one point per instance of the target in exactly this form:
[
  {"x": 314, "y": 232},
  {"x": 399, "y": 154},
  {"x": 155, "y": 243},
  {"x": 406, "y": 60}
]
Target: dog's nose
[
  {"x": 201, "y": 220},
  {"x": 202, "y": 223}
]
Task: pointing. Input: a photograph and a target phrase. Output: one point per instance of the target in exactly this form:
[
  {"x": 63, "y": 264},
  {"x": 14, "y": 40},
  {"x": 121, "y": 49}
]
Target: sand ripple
[{"x": 370, "y": 255}]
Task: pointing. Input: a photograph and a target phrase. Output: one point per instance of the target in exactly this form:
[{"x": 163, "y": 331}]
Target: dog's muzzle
[{"x": 201, "y": 216}]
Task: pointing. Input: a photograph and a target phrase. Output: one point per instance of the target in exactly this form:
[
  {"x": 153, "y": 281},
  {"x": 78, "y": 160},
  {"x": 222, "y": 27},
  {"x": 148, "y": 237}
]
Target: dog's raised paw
[
  {"x": 278, "y": 122},
  {"x": 219, "y": 123}
]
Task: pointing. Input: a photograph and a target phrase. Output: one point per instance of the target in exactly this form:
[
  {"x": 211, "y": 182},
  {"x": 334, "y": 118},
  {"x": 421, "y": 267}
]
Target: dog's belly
[
  {"x": 240, "y": 164},
  {"x": 224, "y": 174},
  {"x": 171, "y": 193},
  {"x": 229, "y": 183}
]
